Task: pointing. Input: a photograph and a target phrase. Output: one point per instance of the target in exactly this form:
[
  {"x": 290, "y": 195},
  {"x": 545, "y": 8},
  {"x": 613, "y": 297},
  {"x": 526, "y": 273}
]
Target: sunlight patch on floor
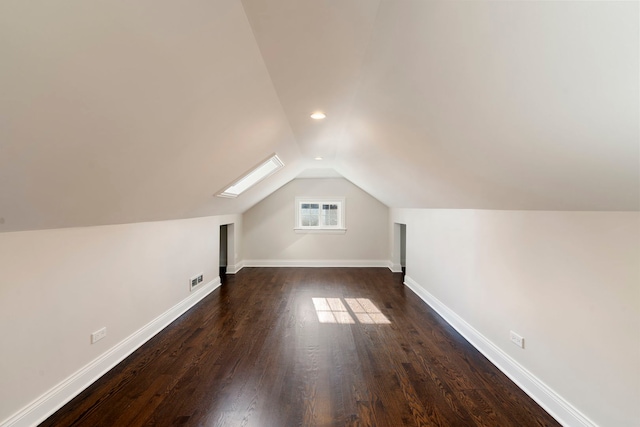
[
  {"x": 332, "y": 310},
  {"x": 366, "y": 311}
]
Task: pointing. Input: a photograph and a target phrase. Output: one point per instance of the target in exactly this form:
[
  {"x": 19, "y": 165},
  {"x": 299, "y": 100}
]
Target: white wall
[
  {"x": 569, "y": 282},
  {"x": 269, "y": 237},
  {"x": 58, "y": 286}
]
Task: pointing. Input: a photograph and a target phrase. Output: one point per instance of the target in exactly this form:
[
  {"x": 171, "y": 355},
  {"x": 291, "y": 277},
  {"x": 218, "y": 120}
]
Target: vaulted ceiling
[{"x": 120, "y": 111}]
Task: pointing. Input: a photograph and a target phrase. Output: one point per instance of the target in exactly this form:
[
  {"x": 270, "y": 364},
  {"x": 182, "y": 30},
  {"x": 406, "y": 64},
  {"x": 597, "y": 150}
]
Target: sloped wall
[
  {"x": 270, "y": 239},
  {"x": 58, "y": 286},
  {"x": 568, "y": 282}
]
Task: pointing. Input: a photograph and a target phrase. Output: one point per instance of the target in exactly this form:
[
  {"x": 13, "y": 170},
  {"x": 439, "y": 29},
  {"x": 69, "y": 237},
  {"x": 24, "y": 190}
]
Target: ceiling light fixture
[
  {"x": 318, "y": 158},
  {"x": 318, "y": 115}
]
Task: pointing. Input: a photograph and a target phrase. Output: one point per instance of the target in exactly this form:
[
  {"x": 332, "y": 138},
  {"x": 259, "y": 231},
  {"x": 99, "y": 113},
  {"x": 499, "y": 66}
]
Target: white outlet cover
[
  {"x": 516, "y": 339},
  {"x": 98, "y": 335}
]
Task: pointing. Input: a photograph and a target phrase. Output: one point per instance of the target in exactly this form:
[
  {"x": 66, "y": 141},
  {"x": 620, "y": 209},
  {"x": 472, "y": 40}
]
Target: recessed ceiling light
[
  {"x": 318, "y": 115},
  {"x": 318, "y": 158}
]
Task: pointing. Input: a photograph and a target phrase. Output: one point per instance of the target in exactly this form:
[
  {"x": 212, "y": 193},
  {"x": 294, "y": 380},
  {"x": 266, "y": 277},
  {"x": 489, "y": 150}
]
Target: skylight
[{"x": 250, "y": 179}]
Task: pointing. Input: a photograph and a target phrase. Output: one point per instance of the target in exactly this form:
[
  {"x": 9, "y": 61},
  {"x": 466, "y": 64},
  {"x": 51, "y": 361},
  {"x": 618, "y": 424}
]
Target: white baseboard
[
  {"x": 395, "y": 268},
  {"x": 234, "y": 268},
  {"x": 565, "y": 413},
  {"x": 41, "y": 408},
  {"x": 315, "y": 263}
]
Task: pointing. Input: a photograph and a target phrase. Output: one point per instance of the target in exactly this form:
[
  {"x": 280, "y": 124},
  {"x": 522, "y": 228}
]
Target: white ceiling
[{"x": 119, "y": 111}]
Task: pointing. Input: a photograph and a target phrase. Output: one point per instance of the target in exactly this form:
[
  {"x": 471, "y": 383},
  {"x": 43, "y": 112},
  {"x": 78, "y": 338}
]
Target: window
[
  {"x": 272, "y": 165},
  {"x": 317, "y": 214}
]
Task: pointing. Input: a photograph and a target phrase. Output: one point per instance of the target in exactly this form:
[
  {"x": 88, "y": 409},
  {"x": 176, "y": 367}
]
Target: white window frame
[{"x": 340, "y": 228}]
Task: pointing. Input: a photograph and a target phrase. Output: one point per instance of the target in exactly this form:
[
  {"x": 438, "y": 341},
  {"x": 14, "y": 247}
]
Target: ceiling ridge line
[
  {"x": 367, "y": 52},
  {"x": 273, "y": 86}
]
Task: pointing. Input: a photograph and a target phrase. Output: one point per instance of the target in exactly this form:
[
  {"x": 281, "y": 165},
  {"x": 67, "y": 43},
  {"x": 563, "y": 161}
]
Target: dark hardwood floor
[{"x": 254, "y": 353}]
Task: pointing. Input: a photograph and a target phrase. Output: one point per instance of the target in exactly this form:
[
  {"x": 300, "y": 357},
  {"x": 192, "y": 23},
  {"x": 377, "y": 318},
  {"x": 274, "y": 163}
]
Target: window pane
[
  {"x": 328, "y": 215},
  {"x": 305, "y": 220},
  {"x": 305, "y": 206},
  {"x": 314, "y": 206},
  {"x": 333, "y": 218},
  {"x": 313, "y": 221}
]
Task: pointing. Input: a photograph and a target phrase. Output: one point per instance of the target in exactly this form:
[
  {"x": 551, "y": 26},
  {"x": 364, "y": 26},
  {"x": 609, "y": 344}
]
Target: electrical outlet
[
  {"x": 98, "y": 335},
  {"x": 516, "y": 339},
  {"x": 200, "y": 278}
]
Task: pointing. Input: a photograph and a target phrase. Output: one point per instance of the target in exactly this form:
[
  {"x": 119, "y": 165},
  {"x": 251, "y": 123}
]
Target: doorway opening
[
  {"x": 403, "y": 248},
  {"x": 224, "y": 251},
  {"x": 399, "y": 254}
]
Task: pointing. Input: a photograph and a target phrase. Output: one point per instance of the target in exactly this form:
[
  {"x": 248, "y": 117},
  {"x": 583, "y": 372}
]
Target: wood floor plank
[{"x": 256, "y": 352}]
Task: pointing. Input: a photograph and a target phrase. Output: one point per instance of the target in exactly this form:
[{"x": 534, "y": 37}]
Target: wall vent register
[{"x": 196, "y": 280}]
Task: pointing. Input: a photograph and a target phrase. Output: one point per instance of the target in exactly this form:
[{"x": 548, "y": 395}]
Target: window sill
[{"x": 320, "y": 230}]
